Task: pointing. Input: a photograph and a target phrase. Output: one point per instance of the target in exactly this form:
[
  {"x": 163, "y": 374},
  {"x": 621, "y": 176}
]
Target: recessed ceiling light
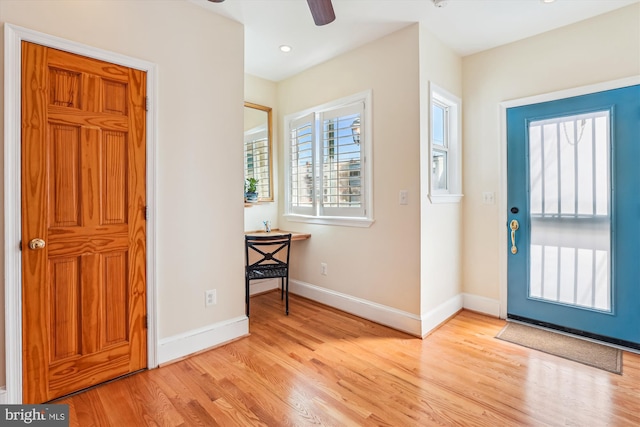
[
  {"x": 547, "y": 1},
  {"x": 285, "y": 48}
]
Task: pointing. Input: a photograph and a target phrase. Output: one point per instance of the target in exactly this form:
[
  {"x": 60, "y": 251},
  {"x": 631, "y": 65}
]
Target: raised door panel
[
  {"x": 116, "y": 302},
  {"x": 63, "y": 308},
  {"x": 115, "y": 97},
  {"x": 64, "y": 177},
  {"x": 114, "y": 167},
  {"x": 64, "y": 88}
]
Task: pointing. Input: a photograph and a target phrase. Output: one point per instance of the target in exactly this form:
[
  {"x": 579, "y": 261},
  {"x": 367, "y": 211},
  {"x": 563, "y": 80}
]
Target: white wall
[
  {"x": 597, "y": 50},
  {"x": 379, "y": 268},
  {"x": 441, "y": 234},
  {"x": 379, "y": 264},
  {"x": 264, "y": 92},
  {"x": 200, "y": 109}
]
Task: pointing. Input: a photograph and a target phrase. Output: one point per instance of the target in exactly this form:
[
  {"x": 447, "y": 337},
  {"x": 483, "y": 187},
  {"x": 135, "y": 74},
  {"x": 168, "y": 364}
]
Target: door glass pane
[{"x": 569, "y": 199}]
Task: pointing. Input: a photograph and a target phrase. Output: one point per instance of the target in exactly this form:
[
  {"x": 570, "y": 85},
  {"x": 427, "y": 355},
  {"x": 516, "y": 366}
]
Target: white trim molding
[
  {"x": 385, "y": 315},
  {"x": 13, "y": 36},
  {"x": 439, "y": 315},
  {"x": 484, "y": 305},
  {"x": 445, "y": 198},
  {"x": 502, "y": 196},
  {"x": 190, "y": 342},
  {"x": 419, "y": 326},
  {"x": 436, "y": 317},
  {"x": 265, "y": 285},
  {"x": 453, "y": 146}
]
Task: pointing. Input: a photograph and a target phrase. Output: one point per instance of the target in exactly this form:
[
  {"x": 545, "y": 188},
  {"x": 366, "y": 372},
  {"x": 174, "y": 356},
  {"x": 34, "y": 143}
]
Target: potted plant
[{"x": 251, "y": 190}]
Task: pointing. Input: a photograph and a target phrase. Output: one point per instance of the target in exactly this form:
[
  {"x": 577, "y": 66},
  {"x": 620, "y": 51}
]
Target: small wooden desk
[{"x": 276, "y": 232}]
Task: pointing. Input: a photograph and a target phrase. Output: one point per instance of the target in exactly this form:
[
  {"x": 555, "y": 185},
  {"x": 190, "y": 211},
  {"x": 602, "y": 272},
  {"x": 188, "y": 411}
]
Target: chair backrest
[{"x": 268, "y": 255}]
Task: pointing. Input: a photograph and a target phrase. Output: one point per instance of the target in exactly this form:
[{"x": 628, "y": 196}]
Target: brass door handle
[
  {"x": 35, "y": 244},
  {"x": 514, "y": 225}
]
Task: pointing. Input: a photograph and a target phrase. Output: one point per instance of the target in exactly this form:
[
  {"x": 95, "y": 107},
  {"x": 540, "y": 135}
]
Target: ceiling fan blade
[
  {"x": 322, "y": 11},
  {"x": 216, "y": 1}
]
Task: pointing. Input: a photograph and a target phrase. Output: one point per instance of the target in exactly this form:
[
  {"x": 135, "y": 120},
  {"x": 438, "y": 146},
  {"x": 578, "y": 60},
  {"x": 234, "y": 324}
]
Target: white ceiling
[{"x": 467, "y": 26}]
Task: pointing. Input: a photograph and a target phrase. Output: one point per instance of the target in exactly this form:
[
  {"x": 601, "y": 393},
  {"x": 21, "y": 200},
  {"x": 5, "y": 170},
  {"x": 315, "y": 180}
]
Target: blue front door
[{"x": 574, "y": 214}]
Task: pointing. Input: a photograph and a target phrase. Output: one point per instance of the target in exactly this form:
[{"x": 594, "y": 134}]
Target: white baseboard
[
  {"x": 190, "y": 342},
  {"x": 440, "y": 314},
  {"x": 388, "y": 316},
  {"x": 480, "y": 304},
  {"x": 392, "y": 317},
  {"x": 3, "y": 395},
  {"x": 261, "y": 286}
]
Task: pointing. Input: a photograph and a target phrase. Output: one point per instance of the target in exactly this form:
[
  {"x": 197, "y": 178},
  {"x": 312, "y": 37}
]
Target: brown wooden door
[{"x": 83, "y": 194}]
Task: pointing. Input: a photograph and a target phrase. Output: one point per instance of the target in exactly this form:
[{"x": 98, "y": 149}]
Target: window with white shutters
[{"x": 328, "y": 163}]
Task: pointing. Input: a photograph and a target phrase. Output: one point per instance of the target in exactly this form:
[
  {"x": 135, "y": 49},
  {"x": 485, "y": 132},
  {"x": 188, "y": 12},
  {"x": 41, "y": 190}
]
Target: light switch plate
[{"x": 488, "y": 198}]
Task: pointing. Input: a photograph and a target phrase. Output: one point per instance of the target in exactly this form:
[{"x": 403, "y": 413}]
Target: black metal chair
[{"x": 267, "y": 257}]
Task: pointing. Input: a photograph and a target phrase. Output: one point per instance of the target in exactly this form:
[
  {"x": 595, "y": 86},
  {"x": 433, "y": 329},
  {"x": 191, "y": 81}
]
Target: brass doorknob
[
  {"x": 514, "y": 225},
  {"x": 36, "y": 244}
]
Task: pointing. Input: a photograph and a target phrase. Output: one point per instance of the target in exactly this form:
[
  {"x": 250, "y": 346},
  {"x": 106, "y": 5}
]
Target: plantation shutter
[
  {"x": 341, "y": 160},
  {"x": 302, "y": 165}
]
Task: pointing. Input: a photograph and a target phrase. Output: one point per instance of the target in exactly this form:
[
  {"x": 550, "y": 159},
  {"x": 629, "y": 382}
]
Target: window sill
[
  {"x": 340, "y": 221},
  {"x": 259, "y": 202},
  {"x": 445, "y": 198}
]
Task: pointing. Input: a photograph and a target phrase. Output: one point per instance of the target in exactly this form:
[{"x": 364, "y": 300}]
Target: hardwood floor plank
[
  {"x": 195, "y": 404},
  {"x": 120, "y": 405},
  {"x": 154, "y": 399},
  {"x": 86, "y": 410},
  {"x": 320, "y": 366}
]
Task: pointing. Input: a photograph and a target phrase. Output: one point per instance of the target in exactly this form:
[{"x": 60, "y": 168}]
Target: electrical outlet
[
  {"x": 404, "y": 197},
  {"x": 323, "y": 268},
  {"x": 210, "y": 297}
]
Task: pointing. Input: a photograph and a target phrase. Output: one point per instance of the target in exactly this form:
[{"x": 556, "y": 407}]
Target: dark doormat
[{"x": 576, "y": 349}]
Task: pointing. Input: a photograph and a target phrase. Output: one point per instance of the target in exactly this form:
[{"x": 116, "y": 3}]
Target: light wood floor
[{"x": 319, "y": 366}]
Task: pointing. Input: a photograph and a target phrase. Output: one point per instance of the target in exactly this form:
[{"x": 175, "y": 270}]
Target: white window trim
[
  {"x": 367, "y": 171},
  {"x": 453, "y": 194}
]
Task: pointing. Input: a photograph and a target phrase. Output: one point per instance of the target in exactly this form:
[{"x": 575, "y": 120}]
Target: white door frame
[
  {"x": 13, "y": 36},
  {"x": 502, "y": 220}
]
